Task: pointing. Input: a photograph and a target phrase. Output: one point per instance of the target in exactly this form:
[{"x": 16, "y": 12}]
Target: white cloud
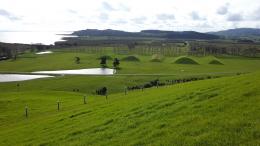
[
  {"x": 131, "y": 15},
  {"x": 165, "y": 17},
  {"x": 196, "y": 16},
  {"x": 235, "y": 17},
  {"x": 223, "y": 10},
  {"x": 8, "y": 15}
]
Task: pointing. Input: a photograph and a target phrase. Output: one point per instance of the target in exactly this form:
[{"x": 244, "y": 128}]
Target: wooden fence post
[
  {"x": 58, "y": 105},
  {"x": 26, "y": 111}
]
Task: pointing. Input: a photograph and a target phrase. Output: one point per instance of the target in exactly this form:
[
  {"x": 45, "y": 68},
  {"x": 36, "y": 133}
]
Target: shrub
[{"x": 101, "y": 91}]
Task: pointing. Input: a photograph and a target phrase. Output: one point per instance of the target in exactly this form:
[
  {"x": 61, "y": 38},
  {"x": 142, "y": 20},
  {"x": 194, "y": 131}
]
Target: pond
[
  {"x": 40, "y": 74},
  {"x": 91, "y": 71},
  {"x": 19, "y": 77},
  {"x": 44, "y": 52}
]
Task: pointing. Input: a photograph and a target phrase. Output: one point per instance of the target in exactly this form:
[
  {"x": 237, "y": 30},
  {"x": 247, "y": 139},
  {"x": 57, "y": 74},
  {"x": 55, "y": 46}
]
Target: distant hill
[
  {"x": 147, "y": 33},
  {"x": 239, "y": 32}
]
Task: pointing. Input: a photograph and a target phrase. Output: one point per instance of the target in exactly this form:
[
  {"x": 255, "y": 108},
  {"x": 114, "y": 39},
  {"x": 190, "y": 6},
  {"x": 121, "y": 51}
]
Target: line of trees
[
  {"x": 11, "y": 51},
  {"x": 220, "y": 48}
]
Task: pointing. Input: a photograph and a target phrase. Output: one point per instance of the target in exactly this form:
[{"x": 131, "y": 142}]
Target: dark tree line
[
  {"x": 8, "y": 53},
  {"x": 220, "y": 48}
]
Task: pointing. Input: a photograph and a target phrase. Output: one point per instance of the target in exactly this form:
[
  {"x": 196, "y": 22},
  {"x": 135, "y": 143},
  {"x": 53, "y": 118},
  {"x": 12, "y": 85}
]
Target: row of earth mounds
[
  {"x": 216, "y": 62},
  {"x": 185, "y": 60},
  {"x": 160, "y": 58}
]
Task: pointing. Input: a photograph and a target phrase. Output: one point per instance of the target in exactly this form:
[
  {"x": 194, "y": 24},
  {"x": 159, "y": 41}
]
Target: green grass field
[
  {"x": 61, "y": 60},
  {"x": 221, "y": 111}
]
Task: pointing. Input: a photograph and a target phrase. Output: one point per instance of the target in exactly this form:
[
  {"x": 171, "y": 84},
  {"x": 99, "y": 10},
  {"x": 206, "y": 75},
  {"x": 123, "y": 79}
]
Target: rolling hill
[
  {"x": 146, "y": 33},
  {"x": 223, "y": 111},
  {"x": 239, "y": 32}
]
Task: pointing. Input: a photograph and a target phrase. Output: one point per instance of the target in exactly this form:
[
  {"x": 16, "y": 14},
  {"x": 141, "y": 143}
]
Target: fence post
[
  {"x": 85, "y": 100},
  {"x": 58, "y": 104},
  {"x": 26, "y": 111}
]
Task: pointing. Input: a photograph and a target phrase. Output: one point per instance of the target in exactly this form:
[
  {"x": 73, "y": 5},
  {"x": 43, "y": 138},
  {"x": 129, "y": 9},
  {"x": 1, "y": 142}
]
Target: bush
[
  {"x": 185, "y": 60},
  {"x": 101, "y": 91},
  {"x": 130, "y": 58}
]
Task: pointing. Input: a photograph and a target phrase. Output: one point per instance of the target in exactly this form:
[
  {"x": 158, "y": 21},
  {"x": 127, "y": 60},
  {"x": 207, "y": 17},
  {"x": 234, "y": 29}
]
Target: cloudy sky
[{"x": 129, "y": 15}]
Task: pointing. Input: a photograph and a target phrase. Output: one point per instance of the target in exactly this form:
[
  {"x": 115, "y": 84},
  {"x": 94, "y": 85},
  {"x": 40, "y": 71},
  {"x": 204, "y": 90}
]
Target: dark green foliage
[
  {"x": 77, "y": 60},
  {"x": 216, "y": 62},
  {"x": 116, "y": 63},
  {"x": 130, "y": 58},
  {"x": 103, "y": 62},
  {"x": 106, "y": 56},
  {"x": 102, "y": 91},
  {"x": 185, "y": 60}
]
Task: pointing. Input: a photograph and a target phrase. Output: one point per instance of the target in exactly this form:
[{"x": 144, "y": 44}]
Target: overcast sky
[{"x": 129, "y": 15}]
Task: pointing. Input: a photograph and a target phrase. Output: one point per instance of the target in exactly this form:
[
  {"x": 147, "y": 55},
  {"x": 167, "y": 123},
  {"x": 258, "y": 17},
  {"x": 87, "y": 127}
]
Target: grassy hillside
[{"x": 223, "y": 111}]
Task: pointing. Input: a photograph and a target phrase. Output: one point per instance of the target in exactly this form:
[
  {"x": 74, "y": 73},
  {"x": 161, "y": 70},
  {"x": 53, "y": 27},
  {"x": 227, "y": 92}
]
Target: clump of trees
[
  {"x": 116, "y": 63},
  {"x": 103, "y": 62},
  {"x": 219, "y": 48},
  {"x": 8, "y": 53},
  {"x": 251, "y": 52},
  {"x": 102, "y": 91},
  {"x": 77, "y": 60}
]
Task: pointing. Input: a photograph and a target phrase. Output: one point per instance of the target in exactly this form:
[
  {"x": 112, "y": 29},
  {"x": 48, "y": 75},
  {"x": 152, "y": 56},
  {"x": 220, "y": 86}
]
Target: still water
[
  {"x": 33, "y": 37},
  {"x": 23, "y": 77},
  {"x": 44, "y": 52},
  {"x": 18, "y": 77},
  {"x": 91, "y": 71}
]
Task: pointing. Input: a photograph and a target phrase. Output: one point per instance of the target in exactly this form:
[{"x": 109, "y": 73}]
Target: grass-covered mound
[
  {"x": 223, "y": 111},
  {"x": 216, "y": 62},
  {"x": 131, "y": 58},
  {"x": 157, "y": 58},
  {"x": 106, "y": 56},
  {"x": 185, "y": 60}
]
